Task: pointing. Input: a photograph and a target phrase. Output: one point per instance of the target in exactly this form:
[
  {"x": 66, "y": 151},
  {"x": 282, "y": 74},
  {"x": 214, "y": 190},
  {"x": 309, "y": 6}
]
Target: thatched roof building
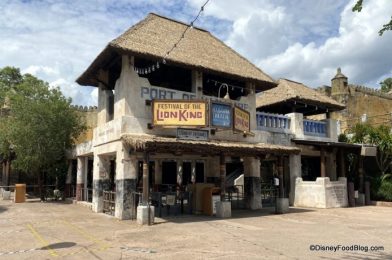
[
  {"x": 154, "y": 36},
  {"x": 292, "y": 96}
]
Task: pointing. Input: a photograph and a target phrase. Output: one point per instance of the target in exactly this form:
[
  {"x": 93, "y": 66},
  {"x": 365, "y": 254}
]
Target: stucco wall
[
  {"x": 321, "y": 193},
  {"x": 132, "y": 114}
]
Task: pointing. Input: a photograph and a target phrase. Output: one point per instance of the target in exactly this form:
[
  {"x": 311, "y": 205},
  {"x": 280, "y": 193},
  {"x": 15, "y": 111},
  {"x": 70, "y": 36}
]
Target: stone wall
[
  {"x": 321, "y": 193},
  {"x": 359, "y": 100},
  {"x": 89, "y": 116}
]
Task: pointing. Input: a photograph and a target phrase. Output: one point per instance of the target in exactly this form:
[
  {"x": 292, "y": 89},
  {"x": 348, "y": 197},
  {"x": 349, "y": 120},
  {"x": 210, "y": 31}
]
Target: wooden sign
[
  {"x": 192, "y": 134},
  {"x": 241, "y": 120}
]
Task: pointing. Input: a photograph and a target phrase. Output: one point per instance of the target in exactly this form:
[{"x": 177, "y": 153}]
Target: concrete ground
[{"x": 38, "y": 230}]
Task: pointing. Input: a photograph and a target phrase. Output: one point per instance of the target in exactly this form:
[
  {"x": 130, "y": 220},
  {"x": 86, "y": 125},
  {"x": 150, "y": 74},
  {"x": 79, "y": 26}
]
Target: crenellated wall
[
  {"x": 89, "y": 116},
  {"x": 362, "y": 103}
]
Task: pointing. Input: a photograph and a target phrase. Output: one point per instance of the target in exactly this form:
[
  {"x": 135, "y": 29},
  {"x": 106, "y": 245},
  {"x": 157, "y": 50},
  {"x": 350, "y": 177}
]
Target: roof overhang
[
  {"x": 306, "y": 107},
  {"x": 362, "y": 149},
  {"x": 106, "y": 57},
  {"x": 151, "y": 143},
  {"x": 327, "y": 144}
]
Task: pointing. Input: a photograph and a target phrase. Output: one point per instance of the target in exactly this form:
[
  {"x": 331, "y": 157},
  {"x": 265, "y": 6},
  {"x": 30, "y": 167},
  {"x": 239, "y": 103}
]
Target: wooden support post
[
  {"x": 179, "y": 174},
  {"x": 8, "y": 172},
  {"x": 193, "y": 173},
  {"x": 342, "y": 164},
  {"x": 145, "y": 180},
  {"x": 361, "y": 174},
  {"x": 322, "y": 162},
  {"x": 222, "y": 173},
  {"x": 351, "y": 196},
  {"x": 281, "y": 177}
]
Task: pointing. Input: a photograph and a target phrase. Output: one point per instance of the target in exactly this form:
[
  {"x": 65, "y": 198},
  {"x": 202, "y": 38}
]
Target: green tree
[
  {"x": 386, "y": 27},
  {"x": 386, "y": 85},
  {"x": 380, "y": 136},
  {"x": 41, "y": 124}
]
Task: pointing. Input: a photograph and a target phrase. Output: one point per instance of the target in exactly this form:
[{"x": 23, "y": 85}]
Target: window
[{"x": 166, "y": 76}]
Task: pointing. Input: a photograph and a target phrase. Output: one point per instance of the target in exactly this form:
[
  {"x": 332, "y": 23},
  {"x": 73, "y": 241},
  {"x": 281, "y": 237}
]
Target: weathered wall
[
  {"x": 321, "y": 193},
  {"x": 89, "y": 116},
  {"x": 359, "y": 100},
  {"x": 132, "y": 115}
]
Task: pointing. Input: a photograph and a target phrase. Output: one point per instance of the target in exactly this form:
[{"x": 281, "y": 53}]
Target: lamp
[{"x": 227, "y": 96}]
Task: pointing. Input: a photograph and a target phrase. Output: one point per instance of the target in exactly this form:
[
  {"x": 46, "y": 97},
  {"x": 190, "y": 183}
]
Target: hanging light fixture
[{"x": 227, "y": 96}]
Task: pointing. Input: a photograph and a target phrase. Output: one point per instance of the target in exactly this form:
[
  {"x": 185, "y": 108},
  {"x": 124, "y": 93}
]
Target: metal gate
[
  {"x": 109, "y": 202},
  {"x": 268, "y": 194},
  {"x": 136, "y": 198}
]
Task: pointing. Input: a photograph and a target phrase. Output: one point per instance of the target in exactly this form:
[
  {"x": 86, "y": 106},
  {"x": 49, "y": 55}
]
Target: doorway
[{"x": 169, "y": 172}]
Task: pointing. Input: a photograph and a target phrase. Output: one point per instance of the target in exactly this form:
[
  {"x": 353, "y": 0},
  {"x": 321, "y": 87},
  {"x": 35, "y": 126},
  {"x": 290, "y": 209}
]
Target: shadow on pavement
[
  {"x": 236, "y": 214},
  {"x": 58, "y": 245},
  {"x": 368, "y": 255},
  {"x": 2, "y": 209}
]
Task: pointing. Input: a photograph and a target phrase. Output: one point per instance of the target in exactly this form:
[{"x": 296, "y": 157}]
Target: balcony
[
  {"x": 273, "y": 122},
  {"x": 300, "y": 128},
  {"x": 315, "y": 128}
]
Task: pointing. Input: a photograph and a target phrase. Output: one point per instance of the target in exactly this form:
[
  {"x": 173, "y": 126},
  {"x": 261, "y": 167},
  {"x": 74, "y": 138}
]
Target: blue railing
[
  {"x": 272, "y": 122},
  {"x": 315, "y": 128}
]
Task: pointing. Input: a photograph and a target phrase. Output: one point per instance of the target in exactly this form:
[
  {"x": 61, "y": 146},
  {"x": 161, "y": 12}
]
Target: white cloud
[
  {"x": 362, "y": 54},
  {"x": 57, "y": 40},
  {"x": 302, "y": 40},
  {"x": 306, "y": 41},
  {"x": 35, "y": 70}
]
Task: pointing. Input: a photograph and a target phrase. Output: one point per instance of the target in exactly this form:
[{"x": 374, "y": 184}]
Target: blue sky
[{"x": 303, "y": 40}]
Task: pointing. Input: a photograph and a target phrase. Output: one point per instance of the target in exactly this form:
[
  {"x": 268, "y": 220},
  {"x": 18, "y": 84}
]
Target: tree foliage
[
  {"x": 40, "y": 125},
  {"x": 386, "y": 27},
  {"x": 386, "y": 85},
  {"x": 381, "y": 136}
]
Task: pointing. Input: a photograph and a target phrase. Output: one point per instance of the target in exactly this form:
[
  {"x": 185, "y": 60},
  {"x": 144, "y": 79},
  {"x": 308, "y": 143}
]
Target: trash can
[
  {"x": 20, "y": 193},
  {"x": 210, "y": 197}
]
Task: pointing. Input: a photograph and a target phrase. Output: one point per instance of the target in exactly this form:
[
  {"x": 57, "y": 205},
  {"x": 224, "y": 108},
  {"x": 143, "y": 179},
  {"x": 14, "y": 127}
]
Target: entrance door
[
  {"x": 199, "y": 172},
  {"x": 186, "y": 173},
  {"x": 112, "y": 175},
  {"x": 169, "y": 173},
  {"x": 310, "y": 168}
]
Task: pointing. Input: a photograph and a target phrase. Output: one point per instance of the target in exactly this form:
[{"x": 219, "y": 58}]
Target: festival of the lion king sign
[
  {"x": 179, "y": 113},
  {"x": 194, "y": 113}
]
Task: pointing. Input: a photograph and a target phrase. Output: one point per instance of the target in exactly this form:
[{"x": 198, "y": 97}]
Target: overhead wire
[{"x": 152, "y": 68}]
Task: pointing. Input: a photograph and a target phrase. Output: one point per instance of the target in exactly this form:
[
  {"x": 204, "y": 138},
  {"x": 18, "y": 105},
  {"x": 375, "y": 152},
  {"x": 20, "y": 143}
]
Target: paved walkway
[{"x": 55, "y": 230}]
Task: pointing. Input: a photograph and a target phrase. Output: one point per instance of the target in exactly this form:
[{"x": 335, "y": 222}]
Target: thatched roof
[
  {"x": 288, "y": 90},
  {"x": 154, "y": 36},
  {"x": 151, "y": 143}
]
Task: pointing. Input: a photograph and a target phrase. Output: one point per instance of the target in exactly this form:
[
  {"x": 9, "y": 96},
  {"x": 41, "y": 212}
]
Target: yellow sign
[
  {"x": 179, "y": 113},
  {"x": 241, "y": 120}
]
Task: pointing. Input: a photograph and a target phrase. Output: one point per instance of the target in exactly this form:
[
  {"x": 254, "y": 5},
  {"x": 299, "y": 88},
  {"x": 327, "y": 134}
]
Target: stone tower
[{"x": 339, "y": 84}]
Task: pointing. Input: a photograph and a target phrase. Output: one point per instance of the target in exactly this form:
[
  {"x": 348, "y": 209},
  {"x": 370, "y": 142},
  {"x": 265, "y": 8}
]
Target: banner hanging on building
[
  {"x": 241, "y": 120},
  {"x": 179, "y": 113},
  {"x": 221, "y": 115}
]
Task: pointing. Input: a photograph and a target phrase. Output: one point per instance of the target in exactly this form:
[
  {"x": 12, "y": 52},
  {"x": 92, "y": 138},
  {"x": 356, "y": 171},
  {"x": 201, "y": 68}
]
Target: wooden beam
[
  {"x": 361, "y": 174},
  {"x": 222, "y": 174},
  {"x": 342, "y": 164},
  {"x": 281, "y": 176},
  {"x": 145, "y": 180},
  {"x": 322, "y": 162}
]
